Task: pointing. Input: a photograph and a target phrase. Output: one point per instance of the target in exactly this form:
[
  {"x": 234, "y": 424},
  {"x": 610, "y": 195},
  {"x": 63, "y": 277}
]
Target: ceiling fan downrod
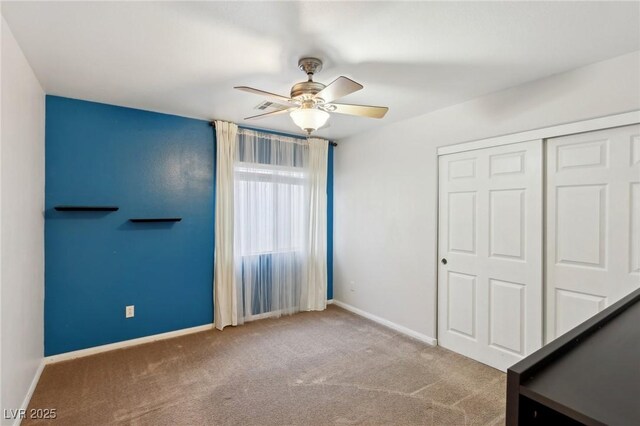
[{"x": 308, "y": 89}]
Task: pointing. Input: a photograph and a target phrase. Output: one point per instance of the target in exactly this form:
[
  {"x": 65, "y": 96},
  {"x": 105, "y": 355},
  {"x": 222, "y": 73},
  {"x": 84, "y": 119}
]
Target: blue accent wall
[
  {"x": 150, "y": 165},
  {"x": 96, "y": 263},
  {"x": 330, "y": 225}
]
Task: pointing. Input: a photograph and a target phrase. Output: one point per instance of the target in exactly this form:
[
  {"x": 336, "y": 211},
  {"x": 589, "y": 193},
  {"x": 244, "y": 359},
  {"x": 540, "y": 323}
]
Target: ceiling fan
[{"x": 311, "y": 102}]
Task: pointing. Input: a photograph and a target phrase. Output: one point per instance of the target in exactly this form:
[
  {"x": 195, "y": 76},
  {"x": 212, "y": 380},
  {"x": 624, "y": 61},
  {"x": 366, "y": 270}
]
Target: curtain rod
[{"x": 213, "y": 124}]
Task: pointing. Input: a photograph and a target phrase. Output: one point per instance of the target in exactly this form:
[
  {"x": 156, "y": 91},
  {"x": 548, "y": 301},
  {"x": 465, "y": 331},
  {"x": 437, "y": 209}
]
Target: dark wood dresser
[{"x": 590, "y": 375}]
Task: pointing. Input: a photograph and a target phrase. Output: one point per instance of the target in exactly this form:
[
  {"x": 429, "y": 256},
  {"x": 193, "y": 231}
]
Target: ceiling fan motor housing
[{"x": 306, "y": 89}]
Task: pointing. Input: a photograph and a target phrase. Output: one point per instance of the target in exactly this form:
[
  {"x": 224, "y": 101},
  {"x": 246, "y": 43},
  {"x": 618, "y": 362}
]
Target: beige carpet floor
[{"x": 317, "y": 368}]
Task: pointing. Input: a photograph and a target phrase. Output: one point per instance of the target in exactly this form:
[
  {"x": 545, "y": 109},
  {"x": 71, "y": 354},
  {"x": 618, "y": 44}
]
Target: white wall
[
  {"x": 386, "y": 188},
  {"x": 21, "y": 225}
]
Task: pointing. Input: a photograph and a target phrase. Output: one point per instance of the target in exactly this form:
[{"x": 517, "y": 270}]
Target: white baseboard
[
  {"x": 133, "y": 342},
  {"x": 392, "y": 325},
  {"x": 32, "y": 388},
  {"x": 125, "y": 344}
]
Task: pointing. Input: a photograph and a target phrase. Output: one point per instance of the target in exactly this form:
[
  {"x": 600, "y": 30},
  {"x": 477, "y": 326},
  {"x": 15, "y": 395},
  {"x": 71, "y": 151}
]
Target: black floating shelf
[
  {"x": 86, "y": 208},
  {"x": 157, "y": 219}
]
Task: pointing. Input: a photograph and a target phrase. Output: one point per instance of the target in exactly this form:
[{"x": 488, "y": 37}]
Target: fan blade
[
  {"x": 268, "y": 95},
  {"x": 267, "y": 114},
  {"x": 362, "y": 110},
  {"x": 341, "y": 86}
]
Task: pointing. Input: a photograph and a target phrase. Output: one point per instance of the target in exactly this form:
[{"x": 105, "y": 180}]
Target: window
[
  {"x": 271, "y": 217},
  {"x": 270, "y": 212},
  {"x": 271, "y": 225}
]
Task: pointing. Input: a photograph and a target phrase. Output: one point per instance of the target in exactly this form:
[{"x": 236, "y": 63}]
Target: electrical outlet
[{"x": 129, "y": 311}]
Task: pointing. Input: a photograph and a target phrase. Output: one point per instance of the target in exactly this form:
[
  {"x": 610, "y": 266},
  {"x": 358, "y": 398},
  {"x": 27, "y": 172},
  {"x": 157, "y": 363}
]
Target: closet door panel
[
  {"x": 490, "y": 235},
  {"x": 581, "y": 216},
  {"x": 592, "y": 218},
  {"x": 507, "y": 226},
  {"x": 634, "y": 233}
]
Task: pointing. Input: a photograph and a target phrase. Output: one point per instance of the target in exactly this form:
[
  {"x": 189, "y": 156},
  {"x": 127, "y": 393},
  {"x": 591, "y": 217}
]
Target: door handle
[{"x": 444, "y": 261}]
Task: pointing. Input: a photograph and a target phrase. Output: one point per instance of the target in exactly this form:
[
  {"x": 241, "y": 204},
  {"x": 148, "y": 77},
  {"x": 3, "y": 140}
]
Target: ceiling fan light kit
[
  {"x": 309, "y": 119},
  {"x": 311, "y": 102}
]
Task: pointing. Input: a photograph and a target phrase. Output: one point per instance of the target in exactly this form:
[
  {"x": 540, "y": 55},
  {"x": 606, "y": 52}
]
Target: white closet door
[
  {"x": 593, "y": 224},
  {"x": 490, "y": 233}
]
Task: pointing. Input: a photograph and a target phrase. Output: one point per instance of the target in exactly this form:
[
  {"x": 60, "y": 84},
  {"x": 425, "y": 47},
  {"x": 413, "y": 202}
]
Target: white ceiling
[{"x": 185, "y": 57}]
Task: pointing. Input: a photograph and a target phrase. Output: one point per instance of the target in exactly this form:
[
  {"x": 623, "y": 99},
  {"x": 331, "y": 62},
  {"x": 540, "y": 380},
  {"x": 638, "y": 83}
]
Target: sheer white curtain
[{"x": 279, "y": 224}]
